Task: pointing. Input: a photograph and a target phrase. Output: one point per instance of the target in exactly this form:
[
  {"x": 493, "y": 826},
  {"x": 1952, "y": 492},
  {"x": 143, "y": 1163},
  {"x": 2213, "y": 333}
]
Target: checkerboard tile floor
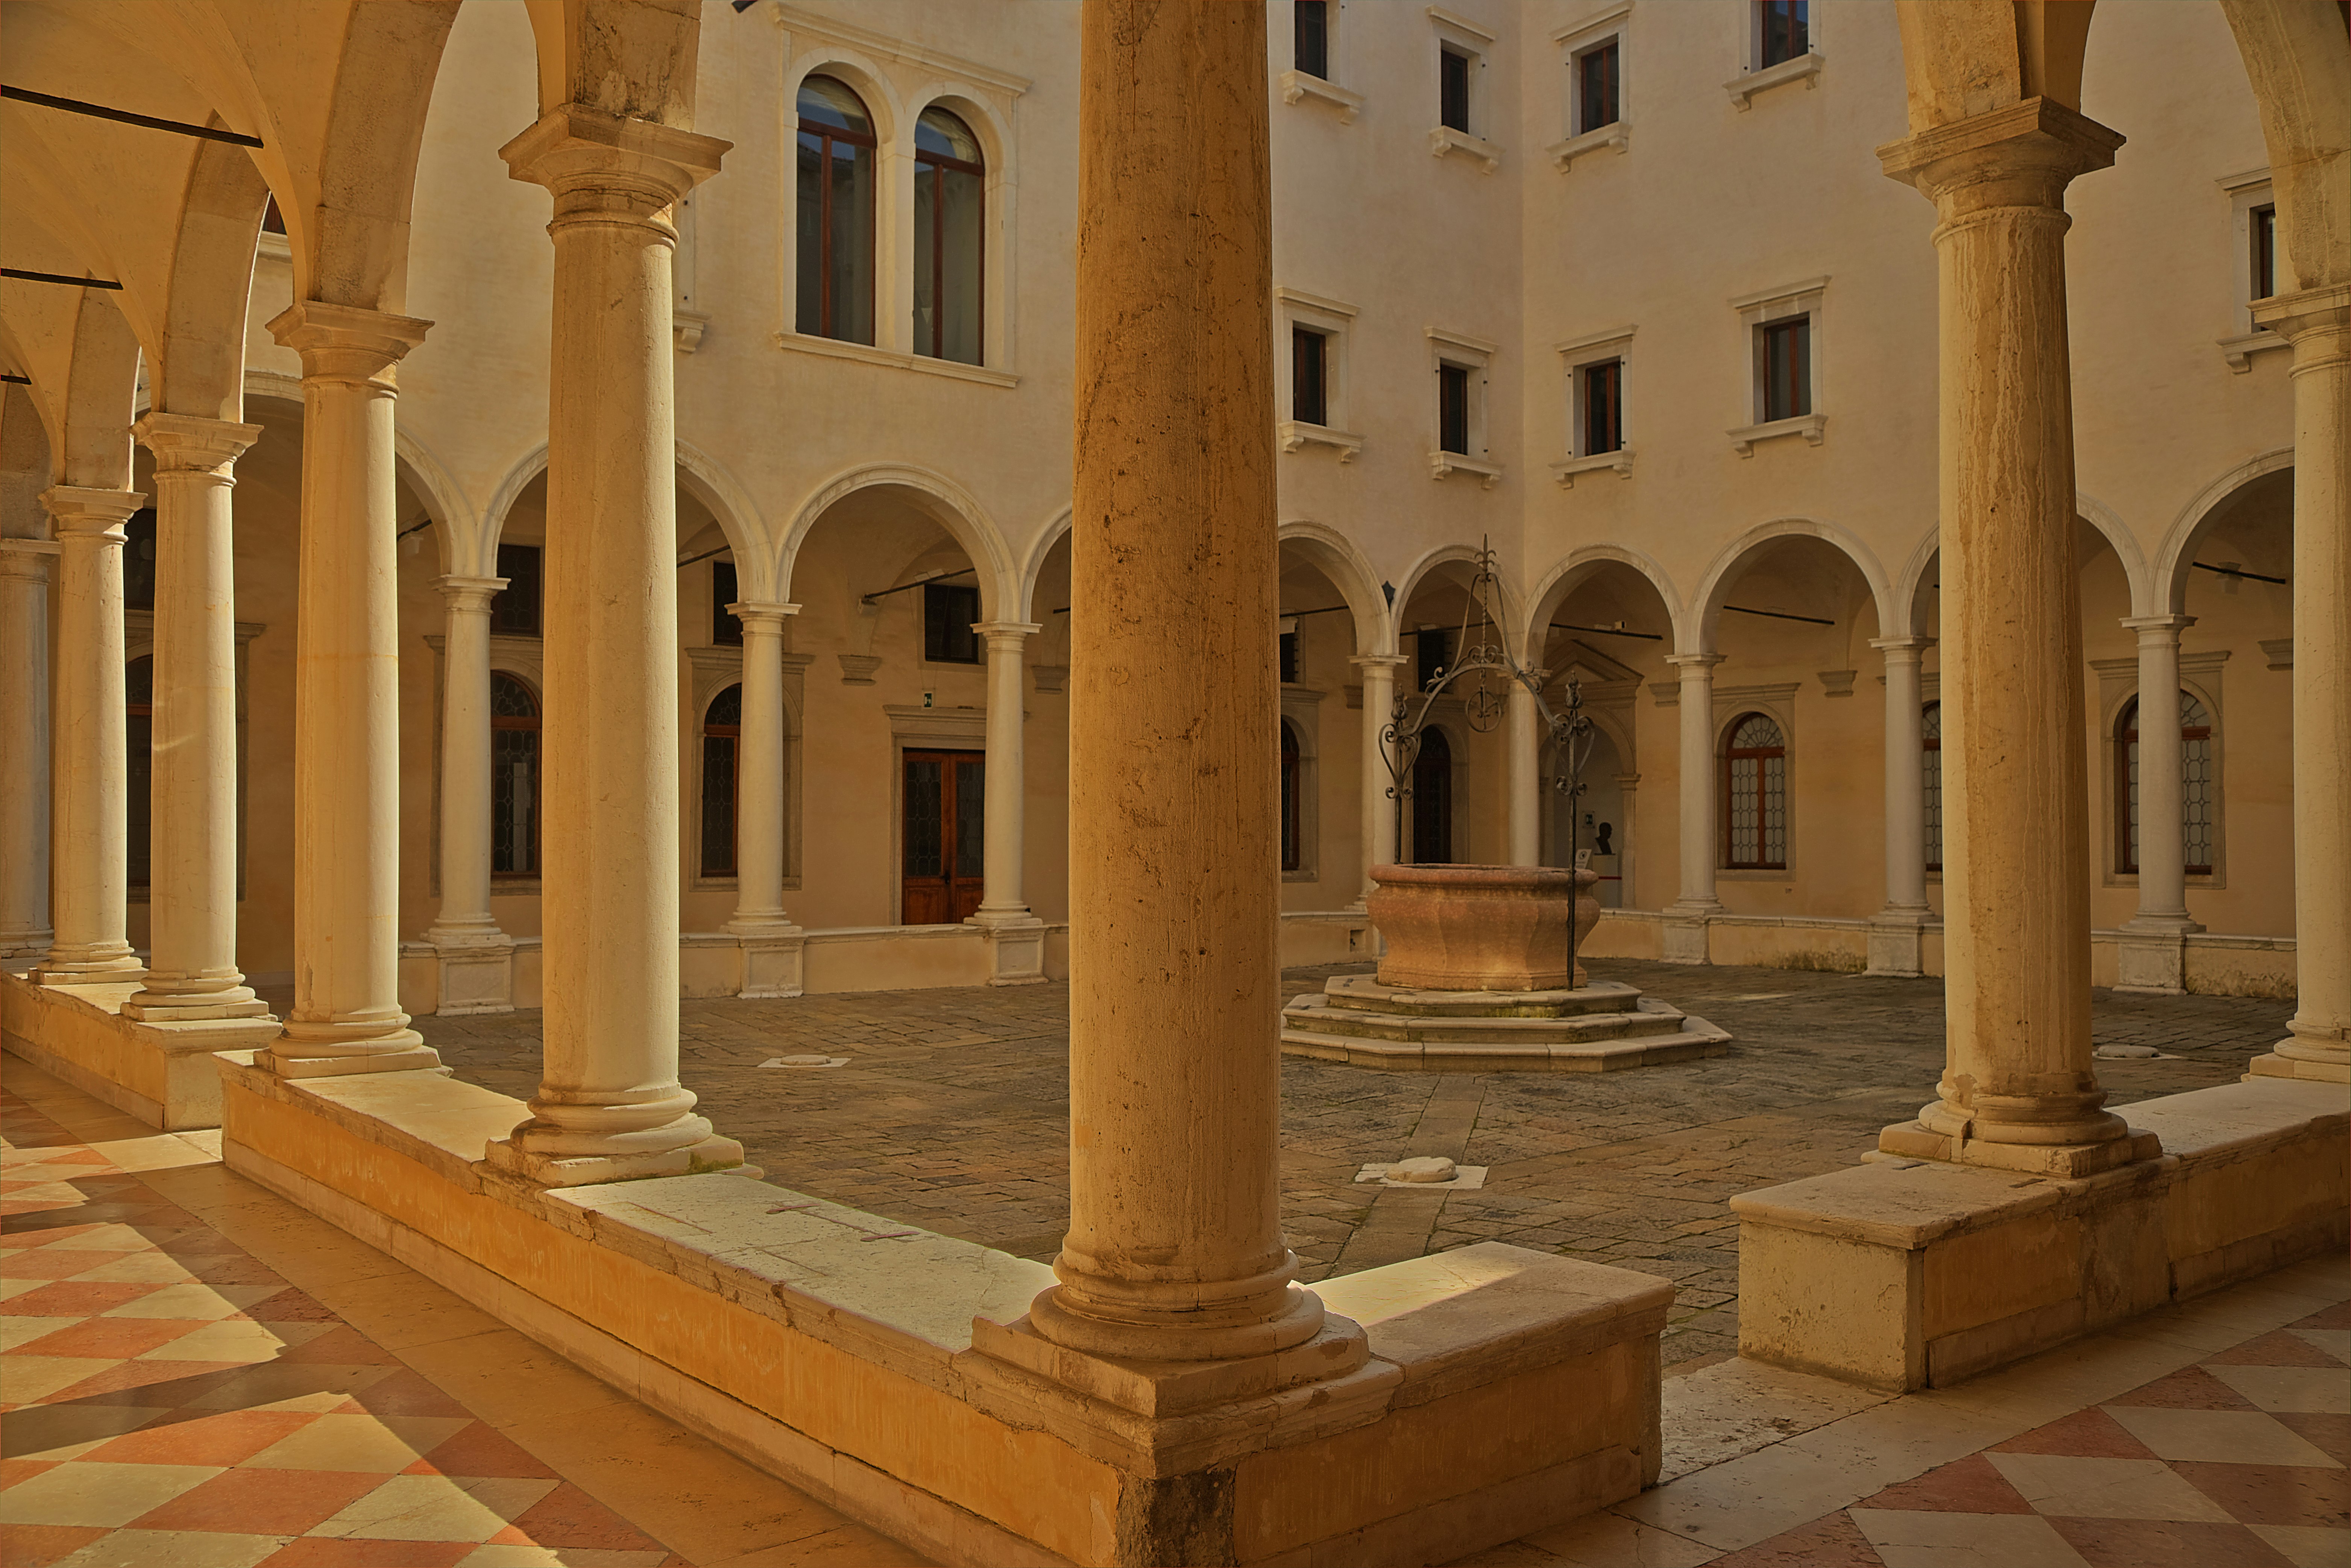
[
  {"x": 2235, "y": 1462},
  {"x": 167, "y": 1399}
]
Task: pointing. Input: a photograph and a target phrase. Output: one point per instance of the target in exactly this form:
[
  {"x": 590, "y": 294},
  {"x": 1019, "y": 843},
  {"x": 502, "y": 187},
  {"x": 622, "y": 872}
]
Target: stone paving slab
[{"x": 952, "y": 1113}]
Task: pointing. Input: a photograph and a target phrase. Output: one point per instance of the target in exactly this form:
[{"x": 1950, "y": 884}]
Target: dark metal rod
[
  {"x": 1326, "y": 610},
  {"x": 1610, "y": 631},
  {"x": 14, "y": 376},
  {"x": 705, "y": 555},
  {"x": 2236, "y": 571},
  {"x": 920, "y": 581},
  {"x": 1781, "y": 615},
  {"x": 22, "y": 276},
  {"x": 98, "y": 110},
  {"x": 419, "y": 528}
]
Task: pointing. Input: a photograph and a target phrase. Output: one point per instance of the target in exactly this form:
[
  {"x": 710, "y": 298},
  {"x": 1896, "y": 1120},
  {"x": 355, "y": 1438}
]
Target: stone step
[
  {"x": 1364, "y": 992},
  {"x": 1694, "y": 1039},
  {"x": 1647, "y": 1018}
]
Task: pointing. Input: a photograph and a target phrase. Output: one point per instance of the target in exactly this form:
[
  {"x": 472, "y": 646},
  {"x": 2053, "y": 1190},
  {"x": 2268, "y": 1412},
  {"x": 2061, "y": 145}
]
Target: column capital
[
  {"x": 1902, "y": 648},
  {"x": 347, "y": 344},
  {"x": 767, "y": 618},
  {"x": 1375, "y": 661},
  {"x": 2166, "y": 628},
  {"x": 602, "y": 167},
  {"x": 1693, "y": 665},
  {"x": 2020, "y": 156},
  {"x": 1007, "y": 636},
  {"x": 89, "y": 513},
  {"x": 470, "y": 594},
  {"x": 191, "y": 444},
  {"x": 2305, "y": 311}
]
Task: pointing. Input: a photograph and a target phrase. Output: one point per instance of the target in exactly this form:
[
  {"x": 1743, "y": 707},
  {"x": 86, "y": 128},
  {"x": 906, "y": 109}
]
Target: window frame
[
  {"x": 1773, "y": 308},
  {"x": 138, "y": 805},
  {"x": 707, "y": 732},
  {"x": 1931, "y": 746},
  {"x": 2249, "y": 193},
  {"x": 1576, "y": 355},
  {"x": 1457, "y": 36},
  {"x": 874, "y": 143},
  {"x": 1475, "y": 358},
  {"x": 535, "y": 725},
  {"x": 936, "y": 160},
  {"x": 1789, "y": 339},
  {"x": 1756, "y": 76},
  {"x": 1794, "y": 14},
  {"x": 1295, "y": 308},
  {"x": 1607, "y": 29},
  {"x": 2125, "y": 729},
  {"x": 1728, "y": 755}
]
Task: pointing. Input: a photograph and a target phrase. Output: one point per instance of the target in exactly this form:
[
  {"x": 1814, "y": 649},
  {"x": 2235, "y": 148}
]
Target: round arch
[
  {"x": 872, "y": 85},
  {"x": 701, "y": 475},
  {"x": 1509, "y": 613},
  {"x": 2179, "y": 548},
  {"x": 2126, "y": 548},
  {"x": 1582, "y": 565},
  {"x": 941, "y": 499},
  {"x": 1706, "y": 610},
  {"x": 459, "y": 525},
  {"x": 1334, "y": 555},
  {"x": 1032, "y": 566}
]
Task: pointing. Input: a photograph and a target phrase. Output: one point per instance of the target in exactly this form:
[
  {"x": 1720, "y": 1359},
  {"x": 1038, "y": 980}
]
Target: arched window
[
  {"x": 1293, "y": 828},
  {"x": 138, "y": 749},
  {"x": 2198, "y": 820},
  {"x": 836, "y": 213},
  {"x": 1432, "y": 800},
  {"x": 514, "y": 778},
  {"x": 1930, "y": 724},
  {"x": 1755, "y": 796},
  {"x": 950, "y": 237},
  {"x": 722, "y": 752}
]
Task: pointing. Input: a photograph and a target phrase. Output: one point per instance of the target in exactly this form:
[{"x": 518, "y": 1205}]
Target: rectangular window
[
  {"x": 1453, "y": 409},
  {"x": 1595, "y": 71},
  {"x": 1787, "y": 369},
  {"x": 139, "y": 560},
  {"x": 1433, "y": 652},
  {"x": 1310, "y": 376},
  {"x": 2264, "y": 233},
  {"x": 1289, "y": 656},
  {"x": 515, "y": 611},
  {"x": 1785, "y": 35},
  {"x": 1453, "y": 89},
  {"x": 1603, "y": 407},
  {"x": 948, "y": 610},
  {"x": 726, "y": 627},
  {"x": 1311, "y": 22}
]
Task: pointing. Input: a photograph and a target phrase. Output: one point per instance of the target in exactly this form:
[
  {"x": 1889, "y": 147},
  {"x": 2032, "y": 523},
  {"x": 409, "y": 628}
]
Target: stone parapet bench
[
  {"x": 1508, "y": 1389},
  {"x": 1905, "y": 1273},
  {"x": 163, "y": 1074}
]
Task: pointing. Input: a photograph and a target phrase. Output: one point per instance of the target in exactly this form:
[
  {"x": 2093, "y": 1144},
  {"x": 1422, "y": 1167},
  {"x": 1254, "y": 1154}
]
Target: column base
[
  {"x": 2151, "y": 957},
  {"x": 31, "y": 943},
  {"x": 404, "y": 1052},
  {"x": 122, "y": 969},
  {"x": 1897, "y": 939},
  {"x": 193, "y": 1007},
  {"x": 773, "y": 958},
  {"x": 1683, "y": 935},
  {"x": 476, "y": 971},
  {"x": 2314, "y": 1058},
  {"x": 712, "y": 1154},
  {"x": 1916, "y": 1141},
  {"x": 1016, "y": 940}
]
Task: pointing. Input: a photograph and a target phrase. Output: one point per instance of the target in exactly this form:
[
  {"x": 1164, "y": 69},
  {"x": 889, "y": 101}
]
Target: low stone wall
[
  {"x": 1508, "y": 1389},
  {"x": 163, "y": 1074},
  {"x": 1903, "y": 1273}
]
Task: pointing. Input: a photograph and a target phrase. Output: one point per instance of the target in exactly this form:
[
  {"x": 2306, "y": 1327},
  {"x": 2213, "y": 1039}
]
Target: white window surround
[
  {"x": 1296, "y": 86},
  {"x": 1777, "y": 702},
  {"x": 1334, "y": 319},
  {"x": 898, "y": 79},
  {"x": 1754, "y": 77},
  {"x": 2199, "y": 677},
  {"x": 1575, "y": 42},
  {"x": 1475, "y": 355},
  {"x": 1760, "y": 309},
  {"x": 1466, "y": 38},
  {"x": 2245, "y": 192},
  {"x": 1575, "y": 353},
  {"x": 1305, "y": 86}
]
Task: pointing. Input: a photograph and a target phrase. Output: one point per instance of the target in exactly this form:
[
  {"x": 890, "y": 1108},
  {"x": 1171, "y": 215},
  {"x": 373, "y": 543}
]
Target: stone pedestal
[{"x": 1479, "y": 927}]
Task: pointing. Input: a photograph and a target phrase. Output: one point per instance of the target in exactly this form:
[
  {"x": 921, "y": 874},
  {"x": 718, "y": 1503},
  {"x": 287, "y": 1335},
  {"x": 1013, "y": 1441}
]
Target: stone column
[
  {"x": 191, "y": 971},
  {"x": 610, "y": 1106},
  {"x": 2018, "y": 1088},
  {"x": 1895, "y": 932},
  {"x": 1526, "y": 740},
  {"x": 2150, "y": 956},
  {"x": 88, "y": 772},
  {"x": 476, "y": 957},
  {"x": 1016, "y": 935},
  {"x": 1685, "y": 933},
  {"x": 2317, "y": 321},
  {"x": 346, "y": 1016},
  {"x": 769, "y": 941},
  {"x": 25, "y": 928},
  {"x": 1379, "y": 808},
  {"x": 1175, "y": 1254}
]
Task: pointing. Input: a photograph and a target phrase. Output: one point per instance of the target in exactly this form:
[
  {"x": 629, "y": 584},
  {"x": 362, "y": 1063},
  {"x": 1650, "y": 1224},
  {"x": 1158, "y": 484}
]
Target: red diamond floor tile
[
  {"x": 2086, "y": 1434},
  {"x": 2192, "y": 1388},
  {"x": 2165, "y": 1543},
  {"x": 2274, "y": 1494},
  {"x": 1964, "y": 1485}
]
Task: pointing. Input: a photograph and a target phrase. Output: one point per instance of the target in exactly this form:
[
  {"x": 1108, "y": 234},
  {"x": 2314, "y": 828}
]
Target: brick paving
[{"x": 952, "y": 1110}]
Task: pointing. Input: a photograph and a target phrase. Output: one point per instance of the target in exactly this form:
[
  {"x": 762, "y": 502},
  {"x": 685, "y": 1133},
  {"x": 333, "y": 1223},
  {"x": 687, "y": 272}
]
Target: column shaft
[
  {"x": 610, "y": 1106},
  {"x": 2018, "y": 1087},
  {"x": 1007, "y": 775},
  {"x": 1175, "y": 1250},
  {"x": 2162, "y": 844},
  {"x": 191, "y": 971},
  {"x": 347, "y": 1016},
  {"x": 25, "y": 928},
  {"x": 89, "y": 772},
  {"x": 1526, "y": 740},
  {"x": 1698, "y": 849},
  {"x": 2318, "y": 320},
  {"x": 759, "y": 790},
  {"x": 464, "y": 915},
  {"x": 1905, "y": 775},
  {"x": 1379, "y": 806}
]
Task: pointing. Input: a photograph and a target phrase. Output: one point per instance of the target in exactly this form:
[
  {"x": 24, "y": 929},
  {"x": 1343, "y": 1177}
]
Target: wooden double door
[{"x": 945, "y": 796}]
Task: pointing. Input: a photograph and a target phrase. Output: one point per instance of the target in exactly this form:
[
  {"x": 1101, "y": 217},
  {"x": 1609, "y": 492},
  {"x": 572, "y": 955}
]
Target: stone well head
[{"x": 1481, "y": 928}]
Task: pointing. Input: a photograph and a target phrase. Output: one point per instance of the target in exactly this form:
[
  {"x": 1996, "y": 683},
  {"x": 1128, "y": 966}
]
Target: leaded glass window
[
  {"x": 1755, "y": 796},
  {"x": 514, "y": 777},
  {"x": 1930, "y": 723}
]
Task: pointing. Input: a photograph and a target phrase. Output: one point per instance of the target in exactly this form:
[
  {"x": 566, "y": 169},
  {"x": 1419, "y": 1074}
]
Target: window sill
[
  {"x": 1299, "y": 86},
  {"x": 1444, "y": 465},
  {"x": 1805, "y": 69},
  {"x": 1621, "y": 460},
  {"x": 834, "y": 349},
  {"x": 1813, "y": 427},
  {"x": 2240, "y": 351},
  {"x": 513, "y": 886},
  {"x": 686, "y": 327},
  {"x": 1563, "y": 154},
  {"x": 1309, "y": 874},
  {"x": 1444, "y": 139},
  {"x": 1754, "y": 873},
  {"x": 1295, "y": 434}
]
